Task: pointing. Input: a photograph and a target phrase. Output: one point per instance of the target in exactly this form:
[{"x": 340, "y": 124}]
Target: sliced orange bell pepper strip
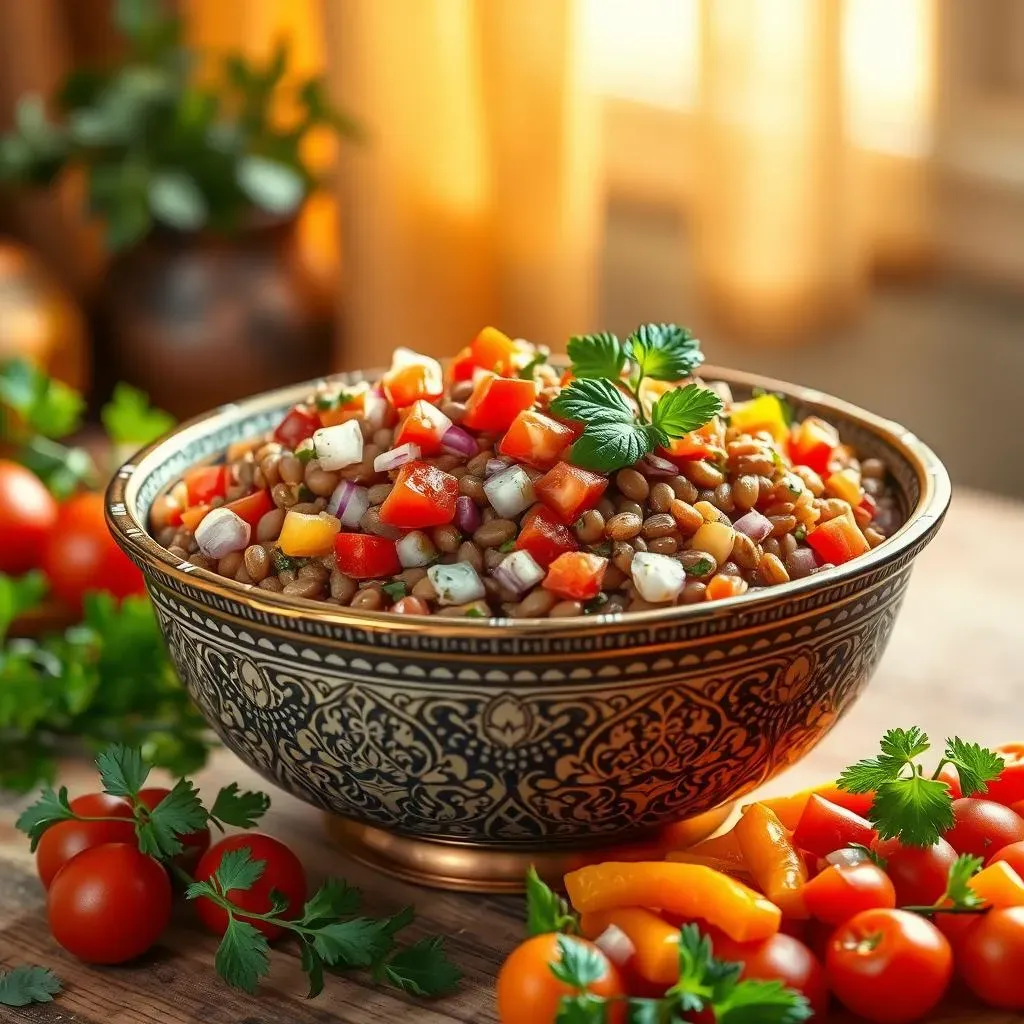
[
  {"x": 741, "y": 874},
  {"x": 689, "y": 890},
  {"x": 772, "y": 859},
  {"x": 656, "y": 941},
  {"x": 790, "y": 808},
  {"x": 998, "y": 885}
]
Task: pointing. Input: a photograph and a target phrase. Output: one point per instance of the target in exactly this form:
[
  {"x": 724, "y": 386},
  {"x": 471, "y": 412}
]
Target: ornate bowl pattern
[{"x": 511, "y": 733}]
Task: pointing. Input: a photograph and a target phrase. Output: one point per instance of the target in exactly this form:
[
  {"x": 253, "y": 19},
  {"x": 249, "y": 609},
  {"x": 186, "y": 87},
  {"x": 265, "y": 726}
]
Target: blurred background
[{"x": 211, "y": 198}]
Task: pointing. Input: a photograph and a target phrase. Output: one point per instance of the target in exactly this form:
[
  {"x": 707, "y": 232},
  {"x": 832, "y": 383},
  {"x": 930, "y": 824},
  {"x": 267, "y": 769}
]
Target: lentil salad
[{"x": 507, "y": 488}]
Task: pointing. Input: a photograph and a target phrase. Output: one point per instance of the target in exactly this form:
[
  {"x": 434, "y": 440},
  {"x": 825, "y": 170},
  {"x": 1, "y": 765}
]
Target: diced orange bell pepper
[
  {"x": 496, "y": 351},
  {"x": 576, "y": 575},
  {"x": 772, "y": 859},
  {"x": 496, "y": 401},
  {"x": 689, "y": 890},
  {"x": 999, "y": 885},
  {"x": 811, "y": 444},
  {"x": 789, "y": 809},
  {"x": 838, "y": 540},
  {"x": 307, "y": 536},
  {"x": 655, "y": 940},
  {"x": 725, "y": 847},
  {"x": 463, "y": 365},
  {"x": 193, "y": 516}
]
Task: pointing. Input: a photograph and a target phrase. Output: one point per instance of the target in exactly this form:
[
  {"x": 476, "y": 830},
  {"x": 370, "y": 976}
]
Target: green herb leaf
[
  {"x": 130, "y": 419},
  {"x": 19, "y": 594},
  {"x": 976, "y": 765},
  {"x": 422, "y": 969},
  {"x": 526, "y": 372},
  {"x": 50, "y": 808},
  {"x": 692, "y": 990},
  {"x": 509, "y": 545},
  {"x": 958, "y": 886},
  {"x": 313, "y": 964},
  {"x": 241, "y": 809},
  {"x": 24, "y": 985},
  {"x": 48, "y": 406},
  {"x": 122, "y": 769},
  {"x": 914, "y": 810},
  {"x": 357, "y": 942},
  {"x": 272, "y": 186},
  {"x": 608, "y": 446},
  {"x": 63, "y": 469},
  {"x": 700, "y": 568},
  {"x": 176, "y": 200},
  {"x": 595, "y": 604},
  {"x": 681, "y": 410},
  {"x": 579, "y": 964},
  {"x": 178, "y": 814},
  {"x": 582, "y": 1009},
  {"x": 753, "y": 1001},
  {"x": 396, "y": 589},
  {"x": 243, "y": 956},
  {"x": 871, "y": 855},
  {"x": 596, "y": 356},
  {"x": 475, "y": 613},
  {"x": 899, "y": 748},
  {"x": 238, "y": 871},
  {"x": 546, "y": 911},
  {"x": 594, "y": 401},
  {"x": 332, "y": 900},
  {"x": 664, "y": 351}
]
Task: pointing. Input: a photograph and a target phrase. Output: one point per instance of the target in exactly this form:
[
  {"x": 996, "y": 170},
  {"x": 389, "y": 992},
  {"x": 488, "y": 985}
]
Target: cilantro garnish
[
  {"x": 396, "y": 589},
  {"x": 958, "y": 897},
  {"x": 908, "y": 805},
  {"x": 24, "y": 985},
  {"x": 241, "y": 809},
  {"x": 539, "y": 359},
  {"x": 509, "y": 545},
  {"x": 46, "y": 405},
  {"x": 699, "y": 568},
  {"x": 130, "y": 419}
]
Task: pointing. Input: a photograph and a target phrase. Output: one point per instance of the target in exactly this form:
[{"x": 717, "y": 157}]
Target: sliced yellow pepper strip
[{"x": 776, "y": 864}]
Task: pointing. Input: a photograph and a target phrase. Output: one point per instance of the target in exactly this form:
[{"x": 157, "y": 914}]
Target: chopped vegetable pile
[{"x": 509, "y": 489}]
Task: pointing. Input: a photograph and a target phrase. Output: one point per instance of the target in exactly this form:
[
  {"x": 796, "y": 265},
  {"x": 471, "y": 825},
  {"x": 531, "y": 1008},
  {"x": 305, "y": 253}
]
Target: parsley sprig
[
  {"x": 617, "y": 431},
  {"x": 909, "y": 805},
  {"x": 24, "y": 985},
  {"x": 958, "y": 897}
]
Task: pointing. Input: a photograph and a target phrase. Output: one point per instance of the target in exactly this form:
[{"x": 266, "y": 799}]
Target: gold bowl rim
[{"x": 132, "y": 534}]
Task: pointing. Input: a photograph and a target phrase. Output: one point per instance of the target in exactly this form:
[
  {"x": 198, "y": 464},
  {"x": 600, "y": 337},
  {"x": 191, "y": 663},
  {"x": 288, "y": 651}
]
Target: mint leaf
[
  {"x": 596, "y": 356},
  {"x": 664, "y": 351},
  {"x": 608, "y": 446},
  {"x": 422, "y": 969},
  {"x": 243, "y": 956},
  {"x": 130, "y": 419},
  {"x": 24, "y": 985},
  {"x": 122, "y": 770},
  {"x": 241, "y": 809},
  {"x": 679, "y": 411}
]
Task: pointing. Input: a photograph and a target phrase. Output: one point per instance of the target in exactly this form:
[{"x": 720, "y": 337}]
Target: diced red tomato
[
  {"x": 206, "y": 483},
  {"x": 253, "y": 507},
  {"x": 566, "y": 379},
  {"x": 462, "y": 366},
  {"x": 409, "y": 381},
  {"x": 536, "y": 439},
  {"x": 496, "y": 351},
  {"x": 544, "y": 537},
  {"x": 423, "y": 495},
  {"x": 824, "y": 827},
  {"x": 496, "y": 401},
  {"x": 364, "y": 557},
  {"x": 570, "y": 491},
  {"x": 424, "y": 425},
  {"x": 838, "y": 540},
  {"x": 576, "y": 575},
  {"x": 299, "y": 424},
  {"x": 811, "y": 443}
]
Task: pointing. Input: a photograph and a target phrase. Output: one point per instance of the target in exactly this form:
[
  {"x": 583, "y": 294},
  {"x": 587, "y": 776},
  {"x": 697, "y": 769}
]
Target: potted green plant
[{"x": 199, "y": 188}]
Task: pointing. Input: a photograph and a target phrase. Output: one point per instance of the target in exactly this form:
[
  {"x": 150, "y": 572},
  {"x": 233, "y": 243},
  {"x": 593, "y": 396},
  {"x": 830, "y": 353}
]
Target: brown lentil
[
  {"x": 535, "y": 605},
  {"x": 370, "y": 599},
  {"x": 683, "y": 489},
  {"x": 623, "y": 526},
  {"x": 831, "y": 508},
  {"x": 723, "y": 499},
  {"x": 473, "y": 487},
  {"x": 269, "y": 526},
  {"x": 446, "y": 538},
  {"x": 695, "y": 560},
  {"x": 772, "y": 571},
  {"x": 661, "y": 524},
  {"x": 873, "y": 536},
  {"x": 589, "y": 527},
  {"x": 461, "y": 390},
  {"x": 606, "y": 507},
  {"x": 693, "y": 592},
  {"x": 370, "y": 523},
  {"x": 703, "y": 474},
  {"x": 257, "y": 562},
  {"x": 343, "y": 587},
  {"x": 291, "y": 470},
  {"x": 565, "y": 608},
  {"x": 745, "y": 552},
  {"x": 622, "y": 556},
  {"x": 378, "y": 493},
  {"x": 494, "y": 533},
  {"x": 661, "y": 496},
  {"x": 425, "y": 589},
  {"x": 470, "y": 553},
  {"x": 493, "y": 557},
  {"x": 478, "y": 464},
  {"x": 271, "y": 583},
  {"x": 454, "y": 410},
  {"x": 269, "y": 469},
  {"x": 782, "y": 524},
  {"x": 283, "y": 495},
  {"x": 663, "y": 545},
  {"x": 632, "y": 484}
]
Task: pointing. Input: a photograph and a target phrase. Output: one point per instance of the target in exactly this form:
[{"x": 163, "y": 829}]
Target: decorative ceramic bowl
[{"x": 454, "y": 751}]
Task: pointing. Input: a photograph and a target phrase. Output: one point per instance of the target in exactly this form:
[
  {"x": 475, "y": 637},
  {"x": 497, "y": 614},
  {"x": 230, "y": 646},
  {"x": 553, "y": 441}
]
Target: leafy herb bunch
[{"x": 161, "y": 146}]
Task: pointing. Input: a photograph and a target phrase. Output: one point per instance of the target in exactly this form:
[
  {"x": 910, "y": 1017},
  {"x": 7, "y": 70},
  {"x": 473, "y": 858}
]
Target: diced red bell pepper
[
  {"x": 297, "y": 425},
  {"x": 544, "y": 537},
  {"x": 496, "y": 401},
  {"x": 869, "y": 505},
  {"x": 838, "y": 540},
  {"x": 576, "y": 575},
  {"x": 570, "y": 491},
  {"x": 495, "y": 351},
  {"x": 206, "y": 483},
  {"x": 423, "y": 495},
  {"x": 536, "y": 439},
  {"x": 463, "y": 365},
  {"x": 825, "y": 827},
  {"x": 253, "y": 507},
  {"x": 424, "y": 425},
  {"x": 811, "y": 443},
  {"x": 364, "y": 557},
  {"x": 410, "y": 381}
]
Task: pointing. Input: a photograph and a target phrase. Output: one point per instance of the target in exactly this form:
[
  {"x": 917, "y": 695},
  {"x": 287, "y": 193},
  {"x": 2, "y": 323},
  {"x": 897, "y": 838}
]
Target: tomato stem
[{"x": 928, "y": 911}]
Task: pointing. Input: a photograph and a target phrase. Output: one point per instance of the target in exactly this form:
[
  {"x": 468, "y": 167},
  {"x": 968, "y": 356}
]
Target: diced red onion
[
  {"x": 467, "y": 514},
  {"x": 349, "y": 502},
  {"x": 754, "y": 525},
  {"x": 510, "y": 491},
  {"x": 222, "y": 532},
  {"x": 339, "y": 446},
  {"x": 615, "y": 944},
  {"x": 655, "y": 465},
  {"x": 802, "y": 562},
  {"x": 395, "y": 458},
  {"x": 495, "y": 466},
  {"x": 415, "y": 549},
  {"x": 457, "y": 441},
  {"x": 518, "y": 573},
  {"x": 457, "y": 583},
  {"x": 847, "y": 857}
]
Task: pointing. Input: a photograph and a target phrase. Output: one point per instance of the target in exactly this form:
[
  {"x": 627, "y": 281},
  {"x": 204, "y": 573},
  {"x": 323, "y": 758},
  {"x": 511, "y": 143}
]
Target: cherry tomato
[
  {"x": 109, "y": 904},
  {"x": 282, "y": 872},
  {"x": 28, "y": 515},
  {"x": 528, "y": 993},
  {"x": 843, "y": 891},
  {"x": 982, "y": 827},
  {"x": 919, "y": 873},
  {"x": 195, "y": 843},
  {"x": 781, "y": 958},
  {"x": 81, "y": 555},
  {"x": 67, "y": 839},
  {"x": 991, "y": 958},
  {"x": 949, "y": 775},
  {"x": 889, "y": 966},
  {"x": 1013, "y": 854},
  {"x": 1009, "y": 787},
  {"x": 570, "y": 491}
]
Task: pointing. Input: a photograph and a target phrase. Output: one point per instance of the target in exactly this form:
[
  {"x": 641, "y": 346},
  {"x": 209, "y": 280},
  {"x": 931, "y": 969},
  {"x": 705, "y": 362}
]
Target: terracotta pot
[{"x": 196, "y": 320}]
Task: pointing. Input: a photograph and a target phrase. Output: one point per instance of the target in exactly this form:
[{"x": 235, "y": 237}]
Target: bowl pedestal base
[{"x": 466, "y": 867}]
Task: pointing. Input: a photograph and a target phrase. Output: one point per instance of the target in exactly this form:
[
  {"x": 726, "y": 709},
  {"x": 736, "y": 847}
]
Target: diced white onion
[
  {"x": 519, "y": 572},
  {"x": 222, "y": 532},
  {"x": 339, "y": 446},
  {"x": 510, "y": 491},
  {"x": 439, "y": 423},
  {"x": 456, "y": 583},
  {"x": 376, "y": 409},
  {"x": 847, "y": 857},
  {"x": 615, "y": 944},
  {"x": 416, "y": 549},
  {"x": 395, "y": 458},
  {"x": 349, "y": 503},
  {"x": 657, "y": 578}
]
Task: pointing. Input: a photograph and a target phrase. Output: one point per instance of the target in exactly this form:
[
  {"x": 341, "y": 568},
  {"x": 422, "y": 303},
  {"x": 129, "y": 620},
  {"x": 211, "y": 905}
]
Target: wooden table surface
[{"x": 955, "y": 665}]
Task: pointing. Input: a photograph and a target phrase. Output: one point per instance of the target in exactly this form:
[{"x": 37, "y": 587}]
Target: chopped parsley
[{"x": 396, "y": 589}]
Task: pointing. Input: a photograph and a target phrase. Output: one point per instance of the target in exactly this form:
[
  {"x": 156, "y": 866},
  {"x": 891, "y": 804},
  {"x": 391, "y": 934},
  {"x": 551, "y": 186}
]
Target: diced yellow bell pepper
[
  {"x": 845, "y": 484},
  {"x": 716, "y": 539},
  {"x": 308, "y": 536},
  {"x": 764, "y": 412}
]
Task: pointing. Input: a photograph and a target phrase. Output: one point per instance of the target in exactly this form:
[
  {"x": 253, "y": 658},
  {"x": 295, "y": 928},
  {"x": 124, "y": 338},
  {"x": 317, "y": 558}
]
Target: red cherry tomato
[
  {"x": 65, "y": 840},
  {"x": 990, "y": 958},
  {"x": 496, "y": 401},
  {"x": 781, "y": 958},
  {"x": 841, "y": 892},
  {"x": 919, "y": 874},
  {"x": 889, "y": 966},
  {"x": 949, "y": 775},
  {"x": 282, "y": 872},
  {"x": 983, "y": 827},
  {"x": 1013, "y": 854},
  {"x": 81, "y": 555},
  {"x": 204, "y": 483},
  {"x": 536, "y": 439},
  {"x": 1009, "y": 787},
  {"x": 528, "y": 993},
  {"x": 195, "y": 843},
  {"x": 109, "y": 904},
  {"x": 252, "y": 508},
  {"x": 28, "y": 515}
]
